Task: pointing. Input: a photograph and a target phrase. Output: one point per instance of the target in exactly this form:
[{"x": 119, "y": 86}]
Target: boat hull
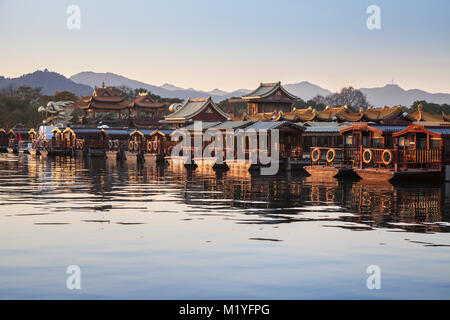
[
  {"x": 330, "y": 171},
  {"x": 391, "y": 175}
]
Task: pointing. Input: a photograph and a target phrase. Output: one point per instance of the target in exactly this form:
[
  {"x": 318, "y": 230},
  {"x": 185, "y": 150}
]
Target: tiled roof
[
  {"x": 145, "y": 101},
  {"x": 324, "y": 127},
  {"x": 271, "y": 125},
  {"x": 108, "y": 106},
  {"x": 192, "y": 107},
  {"x": 377, "y": 114},
  {"x": 306, "y": 114},
  {"x": 389, "y": 129},
  {"x": 232, "y": 124},
  {"x": 420, "y": 115},
  {"x": 267, "y": 116},
  {"x": 440, "y": 130},
  {"x": 205, "y": 125},
  {"x": 266, "y": 89}
]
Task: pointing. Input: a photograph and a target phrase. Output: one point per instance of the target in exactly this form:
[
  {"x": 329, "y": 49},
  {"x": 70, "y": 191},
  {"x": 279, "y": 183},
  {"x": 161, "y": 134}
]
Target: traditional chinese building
[
  {"x": 194, "y": 110},
  {"x": 269, "y": 97},
  {"x": 104, "y": 104},
  {"x": 144, "y": 111},
  {"x": 422, "y": 118}
]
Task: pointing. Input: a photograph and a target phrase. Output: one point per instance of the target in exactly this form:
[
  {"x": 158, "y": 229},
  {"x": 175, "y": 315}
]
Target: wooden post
[
  {"x": 396, "y": 158},
  {"x": 360, "y": 156}
]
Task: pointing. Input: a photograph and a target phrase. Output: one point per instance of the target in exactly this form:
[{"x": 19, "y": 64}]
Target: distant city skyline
[{"x": 234, "y": 44}]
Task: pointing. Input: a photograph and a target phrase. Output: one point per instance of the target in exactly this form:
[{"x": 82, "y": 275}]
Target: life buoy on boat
[
  {"x": 315, "y": 154},
  {"x": 383, "y": 157},
  {"x": 149, "y": 146},
  {"x": 155, "y": 145},
  {"x": 331, "y": 154},
  {"x": 364, "y": 158},
  {"x": 136, "y": 146},
  {"x": 130, "y": 146}
]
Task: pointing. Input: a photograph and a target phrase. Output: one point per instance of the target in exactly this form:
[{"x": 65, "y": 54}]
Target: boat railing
[
  {"x": 82, "y": 144},
  {"x": 400, "y": 158},
  {"x": 326, "y": 156}
]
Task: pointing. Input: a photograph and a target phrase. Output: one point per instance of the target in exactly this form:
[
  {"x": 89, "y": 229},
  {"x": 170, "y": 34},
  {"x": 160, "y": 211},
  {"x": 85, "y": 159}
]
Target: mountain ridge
[{"x": 83, "y": 83}]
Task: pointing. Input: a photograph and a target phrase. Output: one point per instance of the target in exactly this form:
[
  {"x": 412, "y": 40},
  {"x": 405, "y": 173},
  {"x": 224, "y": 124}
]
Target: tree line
[{"x": 18, "y": 105}]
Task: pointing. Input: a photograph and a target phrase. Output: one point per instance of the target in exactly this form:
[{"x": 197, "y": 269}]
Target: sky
[{"x": 207, "y": 44}]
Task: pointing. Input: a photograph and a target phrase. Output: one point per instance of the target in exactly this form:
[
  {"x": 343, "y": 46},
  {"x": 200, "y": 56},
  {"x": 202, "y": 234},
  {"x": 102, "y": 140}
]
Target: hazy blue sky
[{"x": 231, "y": 44}]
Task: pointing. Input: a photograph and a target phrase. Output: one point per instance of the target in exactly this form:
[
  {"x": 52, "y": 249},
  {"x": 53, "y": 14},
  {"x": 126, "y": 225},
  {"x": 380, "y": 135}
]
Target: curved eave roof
[
  {"x": 436, "y": 132},
  {"x": 192, "y": 107},
  {"x": 350, "y": 117},
  {"x": 420, "y": 115},
  {"x": 296, "y": 115},
  {"x": 382, "y": 113},
  {"x": 266, "y": 89}
]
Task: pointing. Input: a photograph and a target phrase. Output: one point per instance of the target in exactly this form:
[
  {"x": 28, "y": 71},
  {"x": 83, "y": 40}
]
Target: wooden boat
[
  {"x": 330, "y": 171},
  {"x": 412, "y": 174}
]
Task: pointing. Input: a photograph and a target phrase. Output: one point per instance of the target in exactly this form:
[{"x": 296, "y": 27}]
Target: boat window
[
  {"x": 435, "y": 143},
  {"x": 348, "y": 141},
  {"x": 337, "y": 141},
  {"x": 377, "y": 143},
  {"x": 365, "y": 141}
]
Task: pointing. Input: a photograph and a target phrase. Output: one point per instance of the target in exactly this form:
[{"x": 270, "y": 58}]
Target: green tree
[{"x": 429, "y": 107}]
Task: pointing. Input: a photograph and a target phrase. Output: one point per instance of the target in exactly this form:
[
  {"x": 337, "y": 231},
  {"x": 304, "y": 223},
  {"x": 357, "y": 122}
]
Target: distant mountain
[
  {"x": 49, "y": 81},
  {"x": 306, "y": 90},
  {"x": 167, "y": 90},
  {"x": 217, "y": 92},
  {"x": 83, "y": 83},
  {"x": 171, "y": 87},
  {"x": 392, "y": 95}
]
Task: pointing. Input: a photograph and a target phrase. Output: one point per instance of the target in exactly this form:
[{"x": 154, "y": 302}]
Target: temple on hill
[
  {"x": 269, "y": 97},
  {"x": 194, "y": 110}
]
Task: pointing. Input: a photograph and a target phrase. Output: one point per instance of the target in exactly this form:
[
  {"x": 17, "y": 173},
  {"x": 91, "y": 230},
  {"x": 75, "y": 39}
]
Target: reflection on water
[{"x": 165, "y": 232}]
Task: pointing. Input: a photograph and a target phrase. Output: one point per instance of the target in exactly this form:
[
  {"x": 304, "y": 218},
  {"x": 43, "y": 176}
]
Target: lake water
[{"x": 144, "y": 232}]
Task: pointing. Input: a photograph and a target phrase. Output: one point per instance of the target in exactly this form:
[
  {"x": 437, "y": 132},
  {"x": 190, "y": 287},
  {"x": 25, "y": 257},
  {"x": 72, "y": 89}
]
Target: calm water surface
[{"x": 163, "y": 233}]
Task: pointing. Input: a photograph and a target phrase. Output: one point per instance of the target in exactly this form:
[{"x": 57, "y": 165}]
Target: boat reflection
[{"x": 283, "y": 198}]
